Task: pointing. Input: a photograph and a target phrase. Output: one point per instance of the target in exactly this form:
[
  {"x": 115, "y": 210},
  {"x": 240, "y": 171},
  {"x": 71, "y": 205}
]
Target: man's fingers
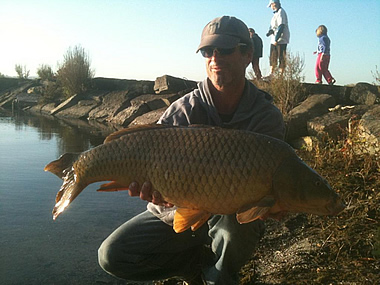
[
  {"x": 134, "y": 189},
  {"x": 146, "y": 191}
]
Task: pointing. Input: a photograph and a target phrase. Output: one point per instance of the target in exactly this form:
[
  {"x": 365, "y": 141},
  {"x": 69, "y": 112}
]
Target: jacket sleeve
[{"x": 279, "y": 32}]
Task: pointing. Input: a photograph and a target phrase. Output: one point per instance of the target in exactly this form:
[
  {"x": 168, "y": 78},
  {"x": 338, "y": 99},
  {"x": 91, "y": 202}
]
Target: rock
[
  {"x": 113, "y": 84},
  {"x": 111, "y": 104},
  {"x": 340, "y": 93},
  {"x": 369, "y": 130},
  {"x": 11, "y": 89},
  {"x": 66, "y": 104},
  {"x": 80, "y": 110},
  {"x": 169, "y": 84},
  {"x": 47, "y": 108},
  {"x": 365, "y": 94},
  {"x": 141, "y": 105},
  {"x": 127, "y": 115},
  {"x": 313, "y": 106},
  {"x": 149, "y": 118},
  {"x": 335, "y": 124},
  {"x": 35, "y": 90},
  {"x": 307, "y": 143}
]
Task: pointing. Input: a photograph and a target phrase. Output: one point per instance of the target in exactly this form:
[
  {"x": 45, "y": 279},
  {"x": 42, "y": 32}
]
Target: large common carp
[{"x": 203, "y": 171}]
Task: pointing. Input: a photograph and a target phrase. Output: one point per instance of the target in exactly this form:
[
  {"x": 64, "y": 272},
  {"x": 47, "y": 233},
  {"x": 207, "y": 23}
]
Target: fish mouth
[{"x": 335, "y": 207}]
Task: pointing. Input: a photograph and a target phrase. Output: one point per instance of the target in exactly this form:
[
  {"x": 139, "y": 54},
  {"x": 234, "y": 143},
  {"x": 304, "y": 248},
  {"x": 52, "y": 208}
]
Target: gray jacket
[{"x": 255, "y": 113}]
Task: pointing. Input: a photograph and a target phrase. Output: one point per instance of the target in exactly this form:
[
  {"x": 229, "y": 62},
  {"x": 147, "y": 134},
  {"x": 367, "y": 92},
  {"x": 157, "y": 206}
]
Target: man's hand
[{"x": 147, "y": 193}]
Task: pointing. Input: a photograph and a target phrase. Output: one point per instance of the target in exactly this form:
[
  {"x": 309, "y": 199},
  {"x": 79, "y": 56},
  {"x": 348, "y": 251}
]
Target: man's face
[
  {"x": 274, "y": 6},
  {"x": 225, "y": 70}
]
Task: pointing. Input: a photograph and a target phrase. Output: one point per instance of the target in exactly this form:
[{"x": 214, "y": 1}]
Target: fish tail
[
  {"x": 60, "y": 166},
  {"x": 69, "y": 190}
]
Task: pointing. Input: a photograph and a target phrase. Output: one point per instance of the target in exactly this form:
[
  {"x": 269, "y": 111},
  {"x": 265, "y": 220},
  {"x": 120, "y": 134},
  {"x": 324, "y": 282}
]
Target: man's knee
[{"x": 106, "y": 257}]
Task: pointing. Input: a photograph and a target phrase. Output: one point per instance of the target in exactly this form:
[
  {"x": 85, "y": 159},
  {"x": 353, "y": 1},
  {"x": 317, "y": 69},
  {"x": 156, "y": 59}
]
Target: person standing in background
[
  {"x": 323, "y": 58},
  {"x": 280, "y": 35},
  {"x": 257, "y": 52}
]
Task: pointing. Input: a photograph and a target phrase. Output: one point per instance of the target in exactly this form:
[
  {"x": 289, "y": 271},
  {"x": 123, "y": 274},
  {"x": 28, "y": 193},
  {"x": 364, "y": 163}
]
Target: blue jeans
[{"x": 145, "y": 248}]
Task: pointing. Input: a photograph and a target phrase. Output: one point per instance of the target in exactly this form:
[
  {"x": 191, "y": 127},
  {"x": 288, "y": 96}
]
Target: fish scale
[{"x": 202, "y": 170}]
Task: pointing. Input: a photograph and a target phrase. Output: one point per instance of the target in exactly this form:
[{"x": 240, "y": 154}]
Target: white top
[{"x": 280, "y": 17}]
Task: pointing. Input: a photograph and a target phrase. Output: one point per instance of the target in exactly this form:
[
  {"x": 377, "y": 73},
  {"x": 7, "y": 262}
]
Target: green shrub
[
  {"x": 45, "y": 72},
  {"x": 52, "y": 93},
  {"x": 75, "y": 74},
  {"x": 21, "y": 71}
]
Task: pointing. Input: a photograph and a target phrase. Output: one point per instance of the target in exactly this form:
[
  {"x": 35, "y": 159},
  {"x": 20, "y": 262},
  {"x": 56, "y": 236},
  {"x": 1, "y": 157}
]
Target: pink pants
[{"x": 322, "y": 68}]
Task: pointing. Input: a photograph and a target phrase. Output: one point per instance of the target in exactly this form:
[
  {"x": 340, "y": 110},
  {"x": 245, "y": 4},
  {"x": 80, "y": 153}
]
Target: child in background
[{"x": 323, "y": 59}]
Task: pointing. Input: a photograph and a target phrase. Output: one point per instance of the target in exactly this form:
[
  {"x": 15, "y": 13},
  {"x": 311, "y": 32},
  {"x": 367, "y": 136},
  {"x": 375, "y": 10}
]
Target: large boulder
[
  {"x": 151, "y": 117},
  {"x": 142, "y": 105},
  {"x": 114, "y": 84},
  {"x": 340, "y": 93},
  {"x": 169, "y": 84},
  {"x": 335, "y": 124},
  {"x": 111, "y": 104},
  {"x": 369, "y": 130},
  {"x": 296, "y": 120},
  {"x": 365, "y": 94}
]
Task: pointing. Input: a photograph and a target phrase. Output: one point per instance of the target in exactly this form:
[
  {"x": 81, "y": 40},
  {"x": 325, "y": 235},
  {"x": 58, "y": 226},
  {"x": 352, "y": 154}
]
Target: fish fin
[
  {"x": 251, "y": 214},
  {"x": 200, "y": 223},
  {"x": 118, "y": 134},
  {"x": 112, "y": 186},
  {"x": 256, "y": 210},
  {"x": 60, "y": 166},
  {"x": 185, "y": 218},
  {"x": 69, "y": 190}
]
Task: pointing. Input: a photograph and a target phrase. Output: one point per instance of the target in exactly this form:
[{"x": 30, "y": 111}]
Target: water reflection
[
  {"x": 73, "y": 135},
  {"x": 34, "y": 248}
]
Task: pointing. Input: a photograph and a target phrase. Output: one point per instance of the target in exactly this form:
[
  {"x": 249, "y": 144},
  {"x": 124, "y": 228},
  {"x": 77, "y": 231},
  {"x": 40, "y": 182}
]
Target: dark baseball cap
[{"x": 224, "y": 32}]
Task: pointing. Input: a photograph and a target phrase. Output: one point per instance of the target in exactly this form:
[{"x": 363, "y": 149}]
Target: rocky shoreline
[{"x": 112, "y": 104}]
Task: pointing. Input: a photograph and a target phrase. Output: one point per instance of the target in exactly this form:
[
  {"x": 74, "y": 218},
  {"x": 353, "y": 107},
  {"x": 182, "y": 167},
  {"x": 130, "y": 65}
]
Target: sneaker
[
  {"x": 318, "y": 82},
  {"x": 332, "y": 82}
]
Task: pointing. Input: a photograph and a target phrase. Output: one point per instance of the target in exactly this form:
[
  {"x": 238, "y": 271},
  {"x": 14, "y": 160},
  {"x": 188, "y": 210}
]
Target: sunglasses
[{"x": 209, "y": 51}]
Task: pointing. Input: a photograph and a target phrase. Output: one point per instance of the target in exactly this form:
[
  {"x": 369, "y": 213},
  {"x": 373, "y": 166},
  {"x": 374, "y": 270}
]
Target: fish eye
[{"x": 318, "y": 183}]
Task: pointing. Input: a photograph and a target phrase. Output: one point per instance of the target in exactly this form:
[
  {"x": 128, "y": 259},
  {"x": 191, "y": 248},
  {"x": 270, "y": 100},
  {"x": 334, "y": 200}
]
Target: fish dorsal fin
[
  {"x": 185, "y": 218},
  {"x": 255, "y": 210},
  {"x": 137, "y": 128},
  {"x": 111, "y": 187}
]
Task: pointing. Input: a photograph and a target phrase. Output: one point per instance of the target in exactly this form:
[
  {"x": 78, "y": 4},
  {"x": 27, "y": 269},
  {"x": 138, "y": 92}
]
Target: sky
[{"x": 146, "y": 39}]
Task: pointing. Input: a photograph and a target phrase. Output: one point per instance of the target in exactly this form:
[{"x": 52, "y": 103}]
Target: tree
[
  {"x": 75, "y": 74},
  {"x": 21, "y": 71}
]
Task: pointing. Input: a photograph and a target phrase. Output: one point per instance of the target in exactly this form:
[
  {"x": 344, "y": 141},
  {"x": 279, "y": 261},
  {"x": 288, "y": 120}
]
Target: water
[{"x": 34, "y": 249}]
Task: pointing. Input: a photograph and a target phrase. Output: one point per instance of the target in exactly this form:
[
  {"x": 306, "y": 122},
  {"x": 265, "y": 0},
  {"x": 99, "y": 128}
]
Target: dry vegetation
[{"x": 307, "y": 249}]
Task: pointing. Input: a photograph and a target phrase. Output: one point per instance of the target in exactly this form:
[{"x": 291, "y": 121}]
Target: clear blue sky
[{"x": 145, "y": 39}]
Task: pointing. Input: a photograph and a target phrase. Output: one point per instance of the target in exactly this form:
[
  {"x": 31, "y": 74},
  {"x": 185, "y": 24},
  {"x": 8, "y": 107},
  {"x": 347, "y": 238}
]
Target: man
[
  {"x": 146, "y": 247},
  {"x": 280, "y": 35},
  {"x": 257, "y": 52}
]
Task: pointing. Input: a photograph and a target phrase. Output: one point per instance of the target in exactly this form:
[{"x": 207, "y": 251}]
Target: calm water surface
[{"x": 34, "y": 249}]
